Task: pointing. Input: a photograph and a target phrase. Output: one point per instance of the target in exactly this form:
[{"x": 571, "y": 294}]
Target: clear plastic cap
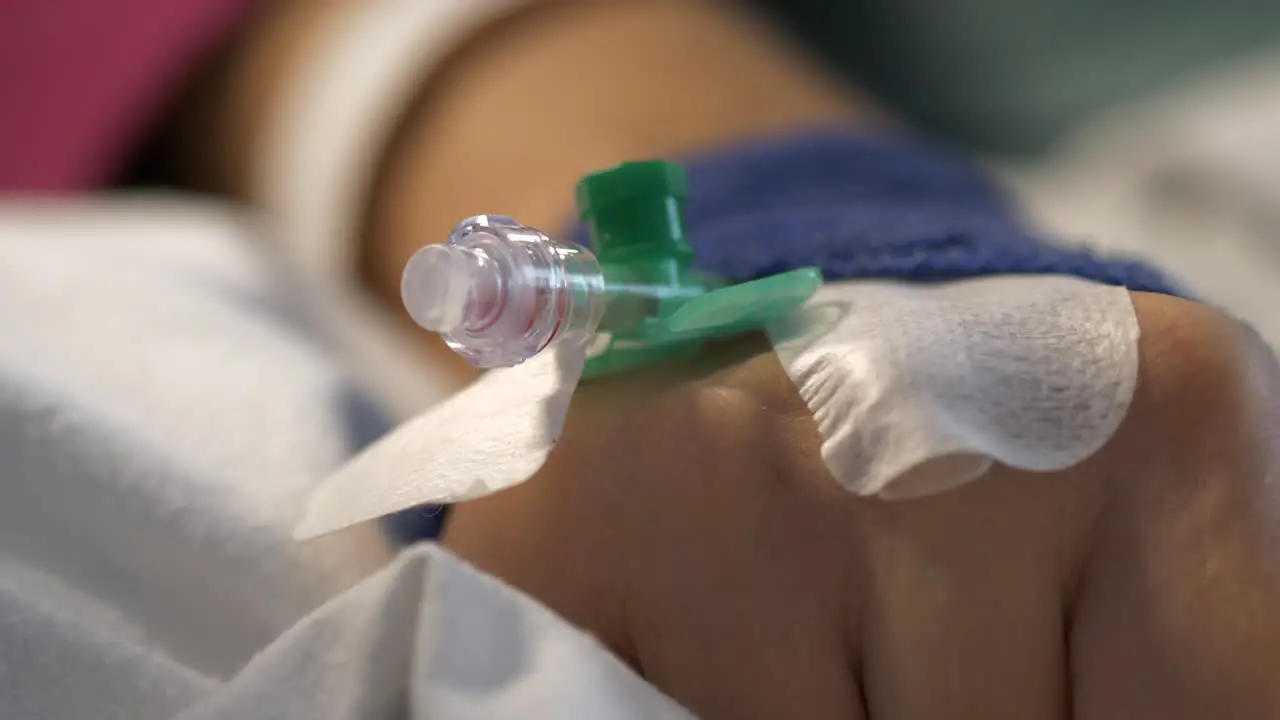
[{"x": 499, "y": 292}]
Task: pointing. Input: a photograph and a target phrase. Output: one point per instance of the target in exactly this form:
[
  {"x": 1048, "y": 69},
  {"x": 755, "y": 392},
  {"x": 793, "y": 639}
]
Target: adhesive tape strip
[{"x": 492, "y": 435}]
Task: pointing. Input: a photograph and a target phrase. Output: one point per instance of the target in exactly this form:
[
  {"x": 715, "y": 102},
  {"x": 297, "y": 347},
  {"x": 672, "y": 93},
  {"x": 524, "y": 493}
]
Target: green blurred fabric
[{"x": 1009, "y": 76}]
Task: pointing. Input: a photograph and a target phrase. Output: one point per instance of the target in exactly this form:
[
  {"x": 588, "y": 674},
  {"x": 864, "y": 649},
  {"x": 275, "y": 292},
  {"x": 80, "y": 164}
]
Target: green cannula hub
[{"x": 658, "y": 306}]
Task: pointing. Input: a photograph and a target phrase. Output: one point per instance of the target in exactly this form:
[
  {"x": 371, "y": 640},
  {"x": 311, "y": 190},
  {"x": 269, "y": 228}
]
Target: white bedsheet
[
  {"x": 1189, "y": 179},
  {"x": 167, "y": 402}
]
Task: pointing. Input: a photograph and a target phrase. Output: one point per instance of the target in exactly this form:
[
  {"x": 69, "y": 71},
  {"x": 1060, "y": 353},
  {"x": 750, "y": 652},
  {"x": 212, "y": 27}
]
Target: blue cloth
[
  {"x": 415, "y": 524},
  {"x": 869, "y": 207},
  {"x": 856, "y": 207}
]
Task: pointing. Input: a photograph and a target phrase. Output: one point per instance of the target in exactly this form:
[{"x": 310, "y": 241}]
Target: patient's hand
[{"x": 687, "y": 519}]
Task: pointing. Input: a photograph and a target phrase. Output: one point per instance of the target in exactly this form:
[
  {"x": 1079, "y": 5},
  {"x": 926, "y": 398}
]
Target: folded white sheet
[{"x": 166, "y": 406}]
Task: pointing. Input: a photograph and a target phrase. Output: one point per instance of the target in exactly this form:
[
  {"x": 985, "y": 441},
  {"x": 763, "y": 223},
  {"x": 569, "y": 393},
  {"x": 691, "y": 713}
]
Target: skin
[
  {"x": 726, "y": 565},
  {"x": 585, "y": 78},
  {"x": 686, "y": 518},
  {"x": 722, "y": 561}
]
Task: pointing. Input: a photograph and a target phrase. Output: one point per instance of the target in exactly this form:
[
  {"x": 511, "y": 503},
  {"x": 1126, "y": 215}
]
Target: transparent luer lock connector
[{"x": 499, "y": 292}]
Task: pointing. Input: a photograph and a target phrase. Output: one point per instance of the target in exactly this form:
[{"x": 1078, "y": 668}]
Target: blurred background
[
  {"x": 1145, "y": 126},
  {"x": 1013, "y": 76}
]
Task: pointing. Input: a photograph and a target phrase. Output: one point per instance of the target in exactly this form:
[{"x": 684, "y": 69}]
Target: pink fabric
[{"x": 82, "y": 81}]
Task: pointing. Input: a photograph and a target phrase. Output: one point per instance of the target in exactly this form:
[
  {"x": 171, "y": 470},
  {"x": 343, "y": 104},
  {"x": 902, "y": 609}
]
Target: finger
[
  {"x": 965, "y": 598},
  {"x": 957, "y": 602},
  {"x": 1179, "y": 612},
  {"x": 739, "y": 605},
  {"x": 672, "y": 499}
]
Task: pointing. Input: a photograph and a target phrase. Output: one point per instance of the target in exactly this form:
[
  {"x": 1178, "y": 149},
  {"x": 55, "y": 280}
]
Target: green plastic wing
[{"x": 750, "y": 304}]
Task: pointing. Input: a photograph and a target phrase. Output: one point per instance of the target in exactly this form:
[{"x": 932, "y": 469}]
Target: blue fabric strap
[{"x": 869, "y": 207}]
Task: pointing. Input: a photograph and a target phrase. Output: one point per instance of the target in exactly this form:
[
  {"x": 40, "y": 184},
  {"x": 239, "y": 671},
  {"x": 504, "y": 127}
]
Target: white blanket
[{"x": 167, "y": 402}]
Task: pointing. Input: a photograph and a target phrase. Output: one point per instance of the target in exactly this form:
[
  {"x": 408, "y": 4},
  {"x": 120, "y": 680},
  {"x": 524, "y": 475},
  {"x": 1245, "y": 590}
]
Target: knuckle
[
  {"x": 1206, "y": 382},
  {"x": 1189, "y": 358}
]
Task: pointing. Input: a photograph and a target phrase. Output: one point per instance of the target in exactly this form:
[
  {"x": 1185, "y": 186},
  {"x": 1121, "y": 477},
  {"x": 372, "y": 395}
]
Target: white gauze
[{"x": 918, "y": 388}]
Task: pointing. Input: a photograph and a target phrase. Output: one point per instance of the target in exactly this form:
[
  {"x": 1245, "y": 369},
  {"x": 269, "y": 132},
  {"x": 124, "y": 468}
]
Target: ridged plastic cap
[
  {"x": 631, "y": 181},
  {"x": 636, "y": 206}
]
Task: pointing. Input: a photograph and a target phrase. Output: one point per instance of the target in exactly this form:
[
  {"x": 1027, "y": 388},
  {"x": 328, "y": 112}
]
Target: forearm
[
  {"x": 517, "y": 113},
  {"x": 521, "y": 113}
]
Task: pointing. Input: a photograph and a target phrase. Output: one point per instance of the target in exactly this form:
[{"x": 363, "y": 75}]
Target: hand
[
  {"x": 686, "y": 518},
  {"x": 688, "y": 521}
]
